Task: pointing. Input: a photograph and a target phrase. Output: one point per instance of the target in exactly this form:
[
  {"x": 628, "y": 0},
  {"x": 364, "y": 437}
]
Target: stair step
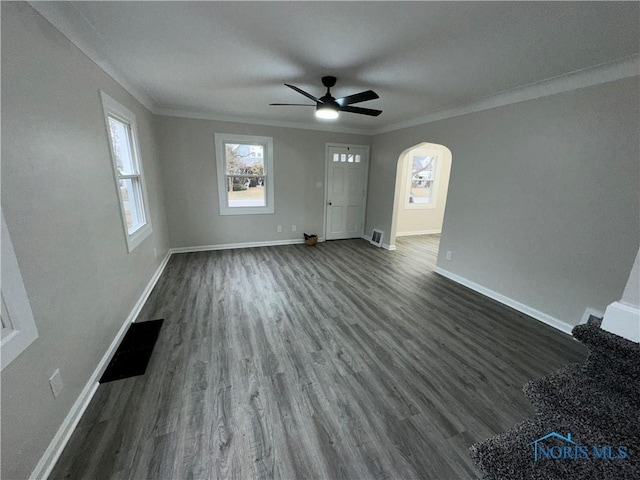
[
  {"x": 510, "y": 456},
  {"x": 598, "y": 403}
]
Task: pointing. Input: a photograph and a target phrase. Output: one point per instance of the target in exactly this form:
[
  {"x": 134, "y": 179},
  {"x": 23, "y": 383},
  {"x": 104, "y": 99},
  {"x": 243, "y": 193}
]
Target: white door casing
[{"x": 346, "y": 184}]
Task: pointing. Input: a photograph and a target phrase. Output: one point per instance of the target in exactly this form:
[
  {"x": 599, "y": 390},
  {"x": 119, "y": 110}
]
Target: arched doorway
[{"x": 422, "y": 183}]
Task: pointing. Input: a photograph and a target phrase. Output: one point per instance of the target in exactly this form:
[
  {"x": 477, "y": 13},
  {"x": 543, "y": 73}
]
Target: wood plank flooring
[{"x": 336, "y": 361}]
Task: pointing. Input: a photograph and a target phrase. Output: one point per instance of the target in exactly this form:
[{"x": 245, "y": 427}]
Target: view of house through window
[
  {"x": 421, "y": 180},
  {"x": 245, "y": 175},
  {"x": 244, "y": 165}
]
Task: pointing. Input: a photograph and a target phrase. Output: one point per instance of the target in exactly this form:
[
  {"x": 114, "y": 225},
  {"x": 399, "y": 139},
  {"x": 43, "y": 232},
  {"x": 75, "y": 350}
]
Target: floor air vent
[
  {"x": 376, "y": 237},
  {"x": 133, "y": 354}
]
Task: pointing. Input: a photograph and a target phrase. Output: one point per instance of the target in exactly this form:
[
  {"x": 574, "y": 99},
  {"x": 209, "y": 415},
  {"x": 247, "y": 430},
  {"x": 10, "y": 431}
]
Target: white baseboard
[
  {"x": 229, "y": 246},
  {"x": 419, "y": 232},
  {"x": 623, "y": 320},
  {"x": 62, "y": 436},
  {"x": 521, "y": 307}
]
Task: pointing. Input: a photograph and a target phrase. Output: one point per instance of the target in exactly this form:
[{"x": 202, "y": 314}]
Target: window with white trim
[
  {"x": 18, "y": 326},
  {"x": 421, "y": 182},
  {"x": 245, "y": 174},
  {"x": 127, "y": 169}
]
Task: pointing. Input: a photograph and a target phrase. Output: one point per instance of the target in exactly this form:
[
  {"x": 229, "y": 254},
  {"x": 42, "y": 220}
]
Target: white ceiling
[{"x": 231, "y": 59}]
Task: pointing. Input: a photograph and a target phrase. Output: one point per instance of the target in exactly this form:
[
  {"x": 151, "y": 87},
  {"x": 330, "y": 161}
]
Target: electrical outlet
[
  {"x": 279, "y": 228},
  {"x": 318, "y": 184},
  {"x": 294, "y": 228},
  {"x": 155, "y": 252},
  {"x": 55, "y": 381},
  {"x": 449, "y": 255}
]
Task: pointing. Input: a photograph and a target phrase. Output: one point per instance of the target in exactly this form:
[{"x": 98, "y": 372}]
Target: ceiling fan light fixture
[
  {"x": 327, "y": 112},
  {"x": 328, "y": 107}
]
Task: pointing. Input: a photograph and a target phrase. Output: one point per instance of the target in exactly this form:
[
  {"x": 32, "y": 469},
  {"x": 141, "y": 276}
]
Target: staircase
[{"x": 597, "y": 403}]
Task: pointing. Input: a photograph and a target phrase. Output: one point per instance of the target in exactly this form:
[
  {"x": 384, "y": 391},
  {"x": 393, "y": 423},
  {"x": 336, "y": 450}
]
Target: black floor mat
[{"x": 134, "y": 352}]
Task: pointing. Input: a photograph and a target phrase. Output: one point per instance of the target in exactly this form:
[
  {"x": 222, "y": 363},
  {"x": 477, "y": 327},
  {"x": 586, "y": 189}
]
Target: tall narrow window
[
  {"x": 127, "y": 168},
  {"x": 421, "y": 180},
  {"x": 245, "y": 174}
]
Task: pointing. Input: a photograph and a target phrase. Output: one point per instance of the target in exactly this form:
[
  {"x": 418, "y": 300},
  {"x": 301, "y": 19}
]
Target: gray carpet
[{"x": 597, "y": 403}]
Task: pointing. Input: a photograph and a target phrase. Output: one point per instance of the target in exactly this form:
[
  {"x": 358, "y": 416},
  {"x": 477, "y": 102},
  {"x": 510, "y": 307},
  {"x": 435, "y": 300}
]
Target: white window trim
[
  {"x": 222, "y": 138},
  {"x": 21, "y": 330},
  {"x": 110, "y": 106},
  {"x": 422, "y": 206}
]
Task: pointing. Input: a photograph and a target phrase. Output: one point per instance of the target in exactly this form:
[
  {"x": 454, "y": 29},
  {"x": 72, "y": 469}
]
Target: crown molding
[
  {"x": 201, "y": 115},
  {"x": 66, "y": 18},
  {"x": 587, "y": 77}
]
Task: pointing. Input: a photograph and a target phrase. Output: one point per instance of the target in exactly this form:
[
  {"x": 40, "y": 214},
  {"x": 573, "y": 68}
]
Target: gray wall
[
  {"x": 543, "y": 200},
  {"x": 187, "y": 152},
  {"x": 60, "y": 203}
]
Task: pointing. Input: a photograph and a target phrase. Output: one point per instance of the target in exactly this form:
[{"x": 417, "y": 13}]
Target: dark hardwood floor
[{"x": 336, "y": 361}]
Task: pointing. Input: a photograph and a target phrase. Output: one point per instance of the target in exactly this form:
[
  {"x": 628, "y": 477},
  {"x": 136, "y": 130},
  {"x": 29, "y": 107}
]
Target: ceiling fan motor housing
[{"x": 329, "y": 100}]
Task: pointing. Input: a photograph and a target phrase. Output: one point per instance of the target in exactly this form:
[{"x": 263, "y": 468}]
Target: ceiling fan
[{"x": 327, "y": 107}]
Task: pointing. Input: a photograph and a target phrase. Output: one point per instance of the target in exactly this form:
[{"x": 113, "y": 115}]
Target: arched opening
[{"x": 422, "y": 184}]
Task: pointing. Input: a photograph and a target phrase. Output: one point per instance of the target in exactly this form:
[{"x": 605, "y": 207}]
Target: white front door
[{"x": 346, "y": 188}]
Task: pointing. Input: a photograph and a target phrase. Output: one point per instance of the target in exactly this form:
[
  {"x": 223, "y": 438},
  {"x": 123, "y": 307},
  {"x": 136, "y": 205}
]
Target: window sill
[
  {"x": 137, "y": 237},
  {"x": 246, "y": 210},
  {"x": 418, "y": 206}
]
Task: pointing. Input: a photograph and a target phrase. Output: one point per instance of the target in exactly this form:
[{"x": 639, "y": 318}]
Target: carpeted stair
[{"x": 598, "y": 403}]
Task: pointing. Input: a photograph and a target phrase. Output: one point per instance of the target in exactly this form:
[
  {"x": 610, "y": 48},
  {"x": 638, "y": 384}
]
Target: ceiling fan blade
[
  {"x": 357, "y": 98},
  {"x": 363, "y": 111},
  {"x": 292, "y": 104},
  {"x": 308, "y": 95}
]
